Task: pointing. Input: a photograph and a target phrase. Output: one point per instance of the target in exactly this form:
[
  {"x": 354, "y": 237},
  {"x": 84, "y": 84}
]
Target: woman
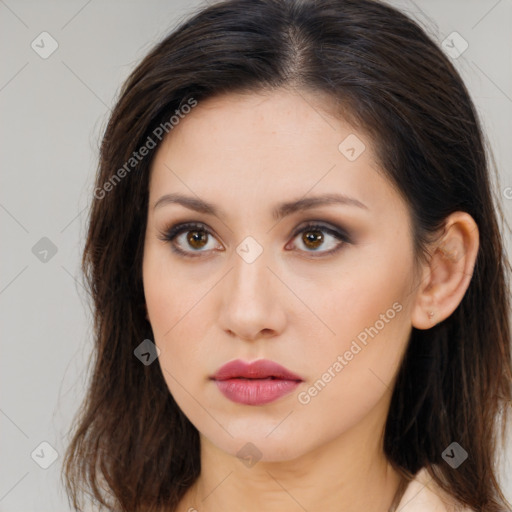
[{"x": 300, "y": 287}]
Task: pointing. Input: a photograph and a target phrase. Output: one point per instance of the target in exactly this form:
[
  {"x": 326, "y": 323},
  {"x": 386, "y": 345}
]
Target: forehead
[
  {"x": 282, "y": 116},
  {"x": 274, "y": 146}
]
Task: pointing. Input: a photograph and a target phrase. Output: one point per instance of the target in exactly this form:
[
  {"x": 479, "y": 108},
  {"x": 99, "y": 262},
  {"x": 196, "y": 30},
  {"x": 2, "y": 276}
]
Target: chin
[{"x": 257, "y": 443}]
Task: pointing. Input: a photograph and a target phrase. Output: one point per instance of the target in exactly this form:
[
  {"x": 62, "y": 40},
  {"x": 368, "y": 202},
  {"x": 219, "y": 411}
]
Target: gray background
[{"x": 53, "y": 112}]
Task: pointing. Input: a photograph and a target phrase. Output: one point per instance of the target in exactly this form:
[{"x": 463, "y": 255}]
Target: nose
[{"x": 252, "y": 300}]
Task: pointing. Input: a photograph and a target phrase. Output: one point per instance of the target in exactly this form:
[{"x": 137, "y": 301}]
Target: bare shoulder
[{"x": 424, "y": 495}]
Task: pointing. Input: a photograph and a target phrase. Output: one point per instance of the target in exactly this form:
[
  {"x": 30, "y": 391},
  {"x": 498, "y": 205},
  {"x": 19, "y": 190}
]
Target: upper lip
[{"x": 260, "y": 369}]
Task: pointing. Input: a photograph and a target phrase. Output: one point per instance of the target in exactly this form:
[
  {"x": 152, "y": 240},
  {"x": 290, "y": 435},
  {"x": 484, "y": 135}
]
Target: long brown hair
[{"x": 132, "y": 448}]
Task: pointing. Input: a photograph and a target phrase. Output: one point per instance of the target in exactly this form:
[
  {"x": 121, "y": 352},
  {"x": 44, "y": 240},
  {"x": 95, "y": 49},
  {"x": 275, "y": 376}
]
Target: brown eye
[
  {"x": 197, "y": 238},
  {"x": 316, "y": 238},
  {"x": 190, "y": 239},
  {"x": 312, "y": 238}
]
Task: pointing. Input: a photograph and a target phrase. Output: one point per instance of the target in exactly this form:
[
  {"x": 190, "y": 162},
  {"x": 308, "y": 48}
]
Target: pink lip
[{"x": 255, "y": 383}]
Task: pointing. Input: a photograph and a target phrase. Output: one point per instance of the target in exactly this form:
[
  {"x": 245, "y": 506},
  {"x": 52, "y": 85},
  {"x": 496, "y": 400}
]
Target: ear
[{"x": 446, "y": 276}]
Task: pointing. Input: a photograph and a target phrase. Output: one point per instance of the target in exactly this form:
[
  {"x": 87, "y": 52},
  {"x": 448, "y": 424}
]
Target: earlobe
[{"x": 446, "y": 276}]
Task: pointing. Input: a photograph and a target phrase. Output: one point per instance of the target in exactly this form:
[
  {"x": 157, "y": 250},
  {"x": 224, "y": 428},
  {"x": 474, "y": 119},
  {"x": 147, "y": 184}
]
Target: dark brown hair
[{"x": 132, "y": 448}]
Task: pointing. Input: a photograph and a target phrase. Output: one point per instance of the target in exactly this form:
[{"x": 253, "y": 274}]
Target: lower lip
[{"x": 255, "y": 391}]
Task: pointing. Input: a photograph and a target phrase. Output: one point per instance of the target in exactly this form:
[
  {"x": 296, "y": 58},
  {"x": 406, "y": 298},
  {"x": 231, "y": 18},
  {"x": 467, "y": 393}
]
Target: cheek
[
  {"x": 176, "y": 320},
  {"x": 171, "y": 295},
  {"x": 353, "y": 379},
  {"x": 167, "y": 302},
  {"x": 370, "y": 299},
  {"x": 177, "y": 305},
  {"x": 369, "y": 311}
]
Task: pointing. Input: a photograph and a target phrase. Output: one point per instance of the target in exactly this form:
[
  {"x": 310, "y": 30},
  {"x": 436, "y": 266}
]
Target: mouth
[{"x": 256, "y": 383}]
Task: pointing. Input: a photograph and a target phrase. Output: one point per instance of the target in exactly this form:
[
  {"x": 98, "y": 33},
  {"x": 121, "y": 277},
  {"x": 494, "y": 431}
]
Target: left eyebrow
[
  {"x": 284, "y": 209},
  {"x": 280, "y": 211}
]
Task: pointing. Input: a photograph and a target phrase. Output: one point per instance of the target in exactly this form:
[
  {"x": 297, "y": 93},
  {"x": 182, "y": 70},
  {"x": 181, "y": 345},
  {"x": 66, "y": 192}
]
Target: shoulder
[{"x": 424, "y": 495}]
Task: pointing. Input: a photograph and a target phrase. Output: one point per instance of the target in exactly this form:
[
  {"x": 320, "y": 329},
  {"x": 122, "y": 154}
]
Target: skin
[{"x": 292, "y": 305}]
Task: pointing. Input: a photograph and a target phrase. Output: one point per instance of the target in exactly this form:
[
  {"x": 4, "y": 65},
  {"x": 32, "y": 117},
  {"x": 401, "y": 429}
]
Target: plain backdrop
[{"x": 53, "y": 112}]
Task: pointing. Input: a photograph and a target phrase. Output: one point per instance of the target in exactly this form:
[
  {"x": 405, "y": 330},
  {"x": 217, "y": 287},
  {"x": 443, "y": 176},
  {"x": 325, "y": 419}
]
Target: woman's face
[{"x": 277, "y": 273}]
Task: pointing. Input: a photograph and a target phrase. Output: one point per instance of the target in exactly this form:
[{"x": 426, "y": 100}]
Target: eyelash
[{"x": 169, "y": 234}]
